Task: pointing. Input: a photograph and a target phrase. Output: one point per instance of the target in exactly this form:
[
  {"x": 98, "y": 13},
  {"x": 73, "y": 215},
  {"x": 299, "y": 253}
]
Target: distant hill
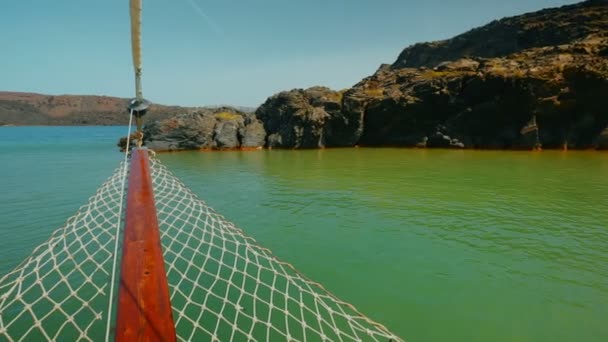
[{"x": 22, "y": 109}]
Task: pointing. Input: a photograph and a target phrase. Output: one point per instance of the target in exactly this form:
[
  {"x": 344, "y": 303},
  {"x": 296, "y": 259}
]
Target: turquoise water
[{"x": 438, "y": 245}]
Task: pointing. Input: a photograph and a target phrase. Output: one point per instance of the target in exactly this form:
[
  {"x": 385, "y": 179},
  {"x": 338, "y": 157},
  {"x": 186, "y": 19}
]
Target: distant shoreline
[
  {"x": 211, "y": 150},
  {"x": 251, "y": 149}
]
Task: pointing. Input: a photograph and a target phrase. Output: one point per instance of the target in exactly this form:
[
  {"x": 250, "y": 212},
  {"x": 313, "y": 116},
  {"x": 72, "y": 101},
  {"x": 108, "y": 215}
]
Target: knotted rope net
[{"x": 223, "y": 285}]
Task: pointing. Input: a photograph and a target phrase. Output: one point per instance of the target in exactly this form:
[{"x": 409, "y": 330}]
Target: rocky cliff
[
  {"x": 521, "y": 82},
  {"x": 549, "y": 27}
]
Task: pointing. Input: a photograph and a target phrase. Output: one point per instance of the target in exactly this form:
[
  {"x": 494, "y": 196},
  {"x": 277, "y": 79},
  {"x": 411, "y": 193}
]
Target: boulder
[
  {"x": 301, "y": 118},
  {"x": 182, "y": 132},
  {"x": 252, "y": 135},
  {"x": 226, "y": 134}
]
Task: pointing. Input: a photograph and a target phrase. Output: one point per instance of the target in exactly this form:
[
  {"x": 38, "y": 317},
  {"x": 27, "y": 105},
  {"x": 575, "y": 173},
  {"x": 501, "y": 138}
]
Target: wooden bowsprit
[{"x": 144, "y": 307}]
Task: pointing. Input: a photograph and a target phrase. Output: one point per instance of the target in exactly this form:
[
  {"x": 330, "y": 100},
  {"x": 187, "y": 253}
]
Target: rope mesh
[
  {"x": 223, "y": 285},
  {"x": 60, "y": 291}
]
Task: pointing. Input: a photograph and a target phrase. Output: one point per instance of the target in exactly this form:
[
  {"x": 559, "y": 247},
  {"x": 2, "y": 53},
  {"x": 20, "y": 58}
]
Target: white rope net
[
  {"x": 60, "y": 292},
  {"x": 223, "y": 286}
]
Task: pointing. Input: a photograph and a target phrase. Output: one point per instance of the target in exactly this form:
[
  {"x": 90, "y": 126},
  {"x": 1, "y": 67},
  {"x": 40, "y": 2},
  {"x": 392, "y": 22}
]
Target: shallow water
[{"x": 436, "y": 244}]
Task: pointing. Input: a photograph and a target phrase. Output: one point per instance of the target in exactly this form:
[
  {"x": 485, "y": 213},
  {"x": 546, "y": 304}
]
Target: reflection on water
[{"x": 458, "y": 245}]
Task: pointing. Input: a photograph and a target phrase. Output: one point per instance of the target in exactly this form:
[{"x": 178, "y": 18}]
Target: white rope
[
  {"x": 116, "y": 235},
  {"x": 59, "y": 293}
]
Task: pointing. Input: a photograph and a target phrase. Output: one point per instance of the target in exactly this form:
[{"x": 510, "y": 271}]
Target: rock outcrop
[
  {"x": 482, "y": 89},
  {"x": 549, "y": 27},
  {"x": 308, "y": 118},
  {"x": 205, "y": 129},
  {"x": 486, "y": 103}
]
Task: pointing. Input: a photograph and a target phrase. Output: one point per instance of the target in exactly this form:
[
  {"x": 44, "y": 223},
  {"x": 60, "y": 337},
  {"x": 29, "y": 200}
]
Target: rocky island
[
  {"x": 220, "y": 129},
  {"x": 539, "y": 79}
]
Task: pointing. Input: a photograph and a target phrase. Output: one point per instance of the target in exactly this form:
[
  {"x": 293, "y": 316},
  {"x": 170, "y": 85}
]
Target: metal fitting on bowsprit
[{"x": 138, "y": 106}]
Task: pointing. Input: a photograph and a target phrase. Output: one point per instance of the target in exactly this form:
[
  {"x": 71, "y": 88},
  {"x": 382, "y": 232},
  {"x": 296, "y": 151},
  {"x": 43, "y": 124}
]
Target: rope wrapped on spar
[{"x": 138, "y": 106}]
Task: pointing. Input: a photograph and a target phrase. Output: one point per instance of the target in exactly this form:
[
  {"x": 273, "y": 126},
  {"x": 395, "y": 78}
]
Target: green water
[{"x": 438, "y": 245}]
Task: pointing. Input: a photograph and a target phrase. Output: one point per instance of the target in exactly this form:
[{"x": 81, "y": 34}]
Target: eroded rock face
[
  {"x": 549, "y": 27},
  {"x": 485, "y": 103},
  {"x": 221, "y": 128},
  {"x": 478, "y": 90},
  {"x": 301, "y": 118},
  {"x": 252, "y": 134}
]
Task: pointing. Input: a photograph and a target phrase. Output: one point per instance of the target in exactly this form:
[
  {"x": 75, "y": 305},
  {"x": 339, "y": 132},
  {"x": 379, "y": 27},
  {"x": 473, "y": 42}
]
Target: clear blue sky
[{"x": 203, "y": 52}]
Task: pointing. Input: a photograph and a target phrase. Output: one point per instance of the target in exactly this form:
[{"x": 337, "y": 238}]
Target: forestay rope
[
  {"x": 138, "y": 105},
  {"x": 123, "y": 179},
  {"x": 135, "y": 7}
]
